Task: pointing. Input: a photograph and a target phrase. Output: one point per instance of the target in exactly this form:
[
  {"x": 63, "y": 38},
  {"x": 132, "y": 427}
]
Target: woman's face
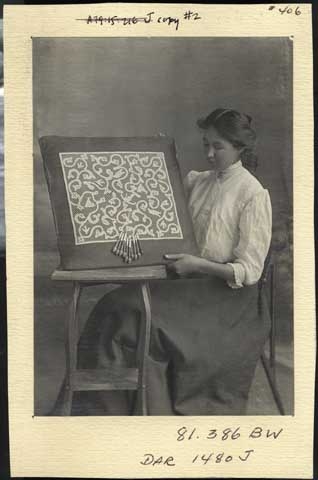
[{"x": 220, "y": 152}]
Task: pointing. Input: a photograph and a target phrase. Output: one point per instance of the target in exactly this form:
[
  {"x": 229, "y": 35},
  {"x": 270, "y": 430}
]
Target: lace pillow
[{"x": 106, "y": 189}]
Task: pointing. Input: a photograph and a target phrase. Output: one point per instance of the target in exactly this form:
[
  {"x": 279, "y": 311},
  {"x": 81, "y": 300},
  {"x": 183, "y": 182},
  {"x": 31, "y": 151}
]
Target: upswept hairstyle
[{"x": 235, "y": 127}]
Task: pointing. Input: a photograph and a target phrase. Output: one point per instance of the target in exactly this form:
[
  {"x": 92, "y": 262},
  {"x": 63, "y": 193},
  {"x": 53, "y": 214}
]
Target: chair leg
[
  {"x": 270, "y": 364},
  {"x": 143, "y": 352},
  {"x": 71, "y": 338},
  {"x": 272, "y": 383},
  {"x": 273, "y": 321}
]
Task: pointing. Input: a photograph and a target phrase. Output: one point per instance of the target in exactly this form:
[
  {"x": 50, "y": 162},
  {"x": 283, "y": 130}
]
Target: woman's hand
[{"x": 183, "y": 264}]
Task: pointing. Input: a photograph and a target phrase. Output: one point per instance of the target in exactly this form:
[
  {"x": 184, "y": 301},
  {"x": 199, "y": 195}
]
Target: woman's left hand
[{"x": 183, "y": 264}]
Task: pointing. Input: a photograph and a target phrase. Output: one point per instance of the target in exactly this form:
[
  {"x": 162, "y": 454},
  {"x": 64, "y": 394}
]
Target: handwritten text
[{"x": 150, "y": 17}]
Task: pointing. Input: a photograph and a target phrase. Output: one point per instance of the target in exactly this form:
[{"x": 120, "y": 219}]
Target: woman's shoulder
[
  {"x": 251, "y": 186},
  {"x": 194, "y": 177},
  {"x": 195, "y": 174}
]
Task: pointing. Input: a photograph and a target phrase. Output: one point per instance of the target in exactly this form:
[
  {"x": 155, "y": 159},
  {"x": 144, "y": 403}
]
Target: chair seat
[{"x": 111, "y": 378}]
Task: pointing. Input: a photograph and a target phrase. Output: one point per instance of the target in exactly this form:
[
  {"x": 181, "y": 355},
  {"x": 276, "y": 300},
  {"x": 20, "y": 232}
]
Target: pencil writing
[
  {"x": 184, "y": 433},
  {"x": 286, "y": 10},
  {"x": 150, "y": 459},
  {"x": 212, "y": 446},
  {"x": 150, "y": 17}
]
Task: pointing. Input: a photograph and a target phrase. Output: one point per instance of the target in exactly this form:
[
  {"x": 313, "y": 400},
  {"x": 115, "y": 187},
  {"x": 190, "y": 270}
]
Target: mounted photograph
[{"x": 163, "y": 226}]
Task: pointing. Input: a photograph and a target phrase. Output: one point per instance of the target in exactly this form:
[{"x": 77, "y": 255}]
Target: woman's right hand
[{"x": 183, "y": 264}]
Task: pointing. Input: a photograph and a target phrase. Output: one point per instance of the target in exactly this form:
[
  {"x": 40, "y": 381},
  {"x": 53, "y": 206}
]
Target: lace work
[{"x": 113, "y": 192}]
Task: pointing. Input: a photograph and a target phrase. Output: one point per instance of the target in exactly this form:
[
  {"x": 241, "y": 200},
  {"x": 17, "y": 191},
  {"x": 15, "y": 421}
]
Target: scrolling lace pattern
[{"x": 114, "y": 192}]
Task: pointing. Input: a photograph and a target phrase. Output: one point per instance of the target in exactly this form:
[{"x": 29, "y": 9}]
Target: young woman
[{"x": 207, "y": 328}]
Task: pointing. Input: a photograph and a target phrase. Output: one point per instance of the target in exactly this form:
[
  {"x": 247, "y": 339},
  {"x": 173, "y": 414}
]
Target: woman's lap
[{"x": 205, "y": 341}]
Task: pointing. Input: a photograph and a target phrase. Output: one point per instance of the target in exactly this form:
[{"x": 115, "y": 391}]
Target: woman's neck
[{"x": 233, "y": 166}]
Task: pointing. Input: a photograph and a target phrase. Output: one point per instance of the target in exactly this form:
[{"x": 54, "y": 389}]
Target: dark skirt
[{"x": 206, "y": 340}]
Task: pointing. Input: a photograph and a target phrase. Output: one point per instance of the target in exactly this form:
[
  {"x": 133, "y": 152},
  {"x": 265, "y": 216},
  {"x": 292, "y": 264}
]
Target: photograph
[
  {"x": 163, "y": 226},
  {"x": 2, "y": 222}
]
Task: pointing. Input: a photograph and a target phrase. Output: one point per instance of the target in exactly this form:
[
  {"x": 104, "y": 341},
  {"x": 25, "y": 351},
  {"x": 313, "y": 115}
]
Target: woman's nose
[{"x": 211, "y": 153}]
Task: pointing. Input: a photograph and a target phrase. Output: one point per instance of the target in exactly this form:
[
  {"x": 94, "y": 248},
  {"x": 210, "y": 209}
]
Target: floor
[{"x": 51, "y": 307}]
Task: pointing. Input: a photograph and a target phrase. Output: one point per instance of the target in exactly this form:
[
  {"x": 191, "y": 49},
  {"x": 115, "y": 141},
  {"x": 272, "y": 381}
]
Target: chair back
[{"x": 268, "y": 264}]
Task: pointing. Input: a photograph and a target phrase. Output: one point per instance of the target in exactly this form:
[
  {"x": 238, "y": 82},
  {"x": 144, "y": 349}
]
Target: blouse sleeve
[
  {"x": 190, "y": 180},
  {"x": 255, "y": 237}
]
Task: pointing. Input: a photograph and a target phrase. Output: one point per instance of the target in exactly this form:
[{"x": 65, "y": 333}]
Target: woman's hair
[{"x": 236, "y": 128}]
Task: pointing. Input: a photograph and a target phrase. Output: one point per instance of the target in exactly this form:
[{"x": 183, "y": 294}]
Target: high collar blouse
[{"x": 232, "y": 218}]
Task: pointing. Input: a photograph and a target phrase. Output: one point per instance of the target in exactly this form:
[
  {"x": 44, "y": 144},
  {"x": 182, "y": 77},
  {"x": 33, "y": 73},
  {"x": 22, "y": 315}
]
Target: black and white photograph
[
  {"x": 163, "y": 226},
  {"x": 2, "y": 223}
]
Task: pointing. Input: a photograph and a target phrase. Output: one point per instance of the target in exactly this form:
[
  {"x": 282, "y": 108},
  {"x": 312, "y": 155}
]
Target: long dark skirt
[{"x": 206, "y": 339}]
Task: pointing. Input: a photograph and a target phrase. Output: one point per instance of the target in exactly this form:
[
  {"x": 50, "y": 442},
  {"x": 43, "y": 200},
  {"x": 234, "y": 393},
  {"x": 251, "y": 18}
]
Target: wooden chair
[
  {"x": 114, "y": 377},
  {"x": 267, "y": 287}
]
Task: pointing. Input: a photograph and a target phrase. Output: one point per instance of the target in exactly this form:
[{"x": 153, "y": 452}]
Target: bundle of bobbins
[{"x": 128, "y": 247}]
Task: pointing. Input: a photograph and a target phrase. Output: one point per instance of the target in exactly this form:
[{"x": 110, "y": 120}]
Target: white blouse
[{"x": 232, "y": 218}]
